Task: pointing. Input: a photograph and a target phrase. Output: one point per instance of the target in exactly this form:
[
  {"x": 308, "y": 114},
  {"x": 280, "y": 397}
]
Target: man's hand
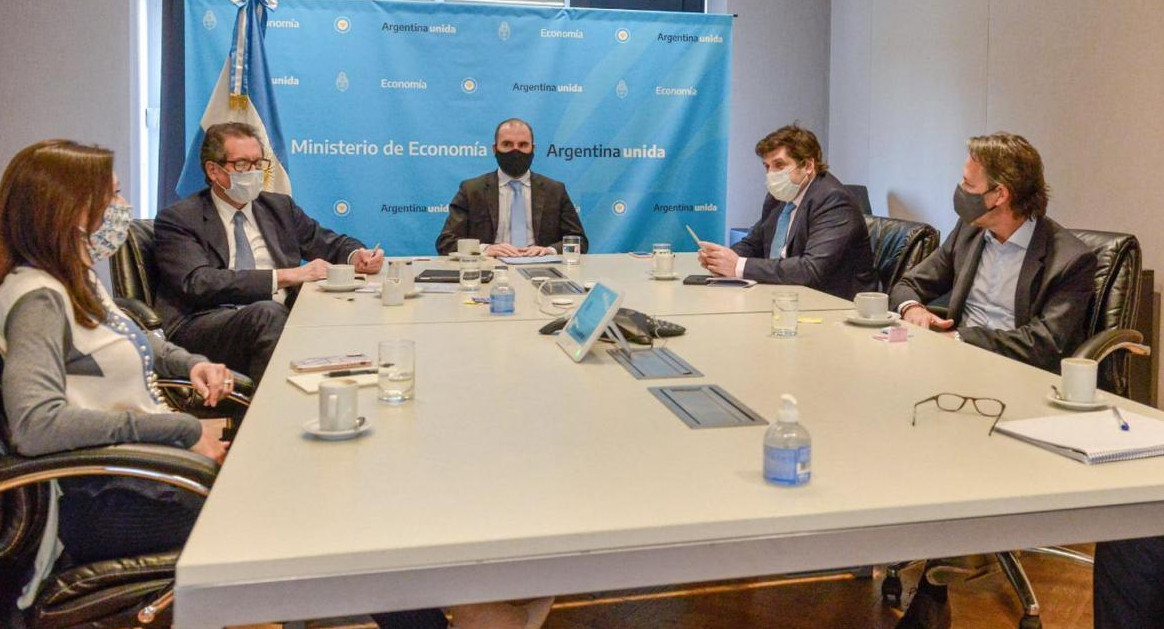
[
  {"x": 310, "y": 272},
  {"x": 210, "y": 447},
  {"x": 368, "y": 261},
  {"x": 213, "y": 381},
  {"x": 919, "y": 316},
  {"x": 503, "y": 250},
  {"x": 718, "y": 259},
  {"x": 534, "y": 250}
]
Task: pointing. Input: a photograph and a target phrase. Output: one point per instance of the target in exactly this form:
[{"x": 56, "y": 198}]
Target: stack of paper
[{"x": 1091, "y": 437}]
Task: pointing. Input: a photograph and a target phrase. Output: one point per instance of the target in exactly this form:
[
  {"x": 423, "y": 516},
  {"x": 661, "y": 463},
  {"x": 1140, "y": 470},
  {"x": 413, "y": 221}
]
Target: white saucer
[
  {"x": 889, "y": 318},
  {"x": 311, "y": 427},
  {"x": 338, "y": 288},
  {"x": 663, "y": 278},
  {"x": 414, "y": 292},
  {"x": 1100, "y": 401}
]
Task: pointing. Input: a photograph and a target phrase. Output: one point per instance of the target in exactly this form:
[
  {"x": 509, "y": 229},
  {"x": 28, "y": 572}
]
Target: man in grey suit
[
  {"x": 229, "y": 256},
  {"x": 810, "y": 231},
  {"x": 1019, "y": 285},
  {"x": 512, "y": 211}
]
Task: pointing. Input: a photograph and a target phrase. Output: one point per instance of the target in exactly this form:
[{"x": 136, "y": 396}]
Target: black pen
[
  {"x": 1120, "y": 418},
  {"x": 349, "y": 372}
]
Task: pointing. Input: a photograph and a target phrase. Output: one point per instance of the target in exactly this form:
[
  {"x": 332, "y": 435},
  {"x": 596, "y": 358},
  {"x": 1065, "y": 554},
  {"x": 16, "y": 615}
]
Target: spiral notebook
[{"x": 1093, "y": 437}]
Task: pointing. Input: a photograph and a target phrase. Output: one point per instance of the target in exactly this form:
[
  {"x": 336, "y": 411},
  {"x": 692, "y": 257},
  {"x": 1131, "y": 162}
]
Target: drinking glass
[
  {"x": 785, "y": 312},
  {"x": 397, "y": 382},
  {"x": 572, "y": 250}
]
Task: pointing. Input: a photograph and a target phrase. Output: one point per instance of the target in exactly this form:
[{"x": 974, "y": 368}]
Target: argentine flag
[{"x": 243, "y": 94}]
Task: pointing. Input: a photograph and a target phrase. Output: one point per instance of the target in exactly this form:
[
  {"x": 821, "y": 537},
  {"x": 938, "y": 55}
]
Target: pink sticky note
[{"x": 898, "y": 335}]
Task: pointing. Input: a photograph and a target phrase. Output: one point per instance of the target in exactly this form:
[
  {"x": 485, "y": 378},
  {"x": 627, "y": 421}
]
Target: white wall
[
  {"x": 780, "y": 69},
  {"x": 68, "y": 74},
  {"x": 1081, "y": 80}
]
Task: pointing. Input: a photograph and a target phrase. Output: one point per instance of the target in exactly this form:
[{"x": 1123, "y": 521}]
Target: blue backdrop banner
[{"x": 387, "y": 106}]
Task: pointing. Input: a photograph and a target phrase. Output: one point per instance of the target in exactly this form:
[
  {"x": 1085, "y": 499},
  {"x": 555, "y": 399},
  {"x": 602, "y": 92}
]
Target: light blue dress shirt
[{"x": 990, "y": 303}]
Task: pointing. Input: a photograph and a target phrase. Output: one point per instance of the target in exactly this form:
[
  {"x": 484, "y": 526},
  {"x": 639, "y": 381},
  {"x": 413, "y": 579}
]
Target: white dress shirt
[
  {"x": 791, "y": 218},
  {"x": 990, "y": 303},
  {"x": 262, "y": 253}
]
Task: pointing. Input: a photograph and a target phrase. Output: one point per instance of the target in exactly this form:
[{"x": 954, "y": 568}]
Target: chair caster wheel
[
  {"x": 891, "y": 591},
  {"x": 1030, "y": 622}
]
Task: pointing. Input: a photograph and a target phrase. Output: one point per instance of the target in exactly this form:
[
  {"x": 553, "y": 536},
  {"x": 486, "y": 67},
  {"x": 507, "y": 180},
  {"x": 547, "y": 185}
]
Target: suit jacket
[
  {"x": 473, "y": 213},
  {"x": 828, "y": 243},
  {"x": 193, "y": 255},
  {"x": 1055, "y": 287}
]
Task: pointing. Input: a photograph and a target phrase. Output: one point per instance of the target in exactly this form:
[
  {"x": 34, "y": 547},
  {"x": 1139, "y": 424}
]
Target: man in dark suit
[
  {"x": 229, "y": 256},
  {"x": 810, "y": 231},
  {"x": 1019, "y": 285},
  {"x": 484, "y": 206}
]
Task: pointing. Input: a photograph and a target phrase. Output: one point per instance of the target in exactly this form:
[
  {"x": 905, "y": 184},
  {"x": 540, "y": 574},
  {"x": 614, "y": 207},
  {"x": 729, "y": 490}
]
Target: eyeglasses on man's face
[
  {"x": 244, "y": 165},
  {"x": 952, "y": 402}
]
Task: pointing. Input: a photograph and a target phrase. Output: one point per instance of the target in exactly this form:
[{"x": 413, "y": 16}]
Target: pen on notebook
[
  {"x": 349, "y": 372},
  {"x": 1120, "y": 418}
]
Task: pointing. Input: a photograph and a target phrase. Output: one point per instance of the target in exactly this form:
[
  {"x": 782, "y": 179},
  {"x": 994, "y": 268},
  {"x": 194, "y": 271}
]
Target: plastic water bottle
[
  {"x": 787, "y": 448},
  {"x": 501, "y": 298}
]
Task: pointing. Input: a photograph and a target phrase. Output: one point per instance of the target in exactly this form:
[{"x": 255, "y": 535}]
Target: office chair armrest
[
  {"x": 172, "y": 466},
  {"x": 1103, "y": 344},
  {"x": 141, "y": 314},
  {"x": 183, "y": 397}
]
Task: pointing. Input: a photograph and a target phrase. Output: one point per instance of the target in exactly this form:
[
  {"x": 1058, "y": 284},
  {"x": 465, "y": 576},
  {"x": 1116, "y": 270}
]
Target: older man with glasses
[{"x": 230, "y": 256}]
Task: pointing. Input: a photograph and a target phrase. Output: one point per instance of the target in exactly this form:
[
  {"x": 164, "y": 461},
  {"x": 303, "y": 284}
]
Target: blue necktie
[
  {"x": 781, "y": 235},
  {"x": 244, "y": 258},
  {"x": 517, "y": 235}
]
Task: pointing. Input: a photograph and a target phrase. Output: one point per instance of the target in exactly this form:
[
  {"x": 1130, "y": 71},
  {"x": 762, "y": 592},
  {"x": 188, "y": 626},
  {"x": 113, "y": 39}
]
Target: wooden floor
[{"x": 831, "y": 601}]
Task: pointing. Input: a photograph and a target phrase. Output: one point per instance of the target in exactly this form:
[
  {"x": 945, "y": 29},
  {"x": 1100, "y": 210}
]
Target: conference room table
[
  {"x": 626, "y": 274},
  {"x": 516, "y": 472}
]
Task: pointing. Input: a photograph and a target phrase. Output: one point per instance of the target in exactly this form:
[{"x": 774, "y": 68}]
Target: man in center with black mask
[{"x": 512, "y": 211}]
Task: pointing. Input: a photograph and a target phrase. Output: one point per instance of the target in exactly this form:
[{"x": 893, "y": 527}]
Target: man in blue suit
[{"x": 810, "y": 231}]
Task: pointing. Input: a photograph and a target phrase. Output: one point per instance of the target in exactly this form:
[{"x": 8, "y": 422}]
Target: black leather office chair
[
  {"x": 898, "y": 245},
  {"x": 135, "y": 278},
  {"x": 1111, "y": 341},
  {"x": 124, "y": 592},
  {"x": 862, "y": 194}
]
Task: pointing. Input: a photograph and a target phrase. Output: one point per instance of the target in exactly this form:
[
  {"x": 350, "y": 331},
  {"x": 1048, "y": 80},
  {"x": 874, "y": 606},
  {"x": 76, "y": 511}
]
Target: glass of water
[
  {"x": 572, "y": 249},
  {"x": 785, "y": 312},
  {"x": 397, "y": 382},
  {"x": 470, "y": 272}
]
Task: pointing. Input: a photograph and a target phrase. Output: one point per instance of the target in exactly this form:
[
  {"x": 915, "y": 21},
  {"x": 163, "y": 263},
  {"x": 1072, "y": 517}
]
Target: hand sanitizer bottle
[
  {"x": 502, "y": 296},
  {"x": 787, "y": 448}
]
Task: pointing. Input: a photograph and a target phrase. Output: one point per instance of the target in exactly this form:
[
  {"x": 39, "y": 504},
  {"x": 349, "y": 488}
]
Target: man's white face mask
[
  {"x": 780, "y": 184},
  {"x": 245, "y": 186}
]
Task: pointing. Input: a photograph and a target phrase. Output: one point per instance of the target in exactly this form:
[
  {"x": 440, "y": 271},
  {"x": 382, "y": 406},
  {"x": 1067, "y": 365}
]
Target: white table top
[
  {"x": 619, "y": 271},
  {"x": 517, "y": 473}
]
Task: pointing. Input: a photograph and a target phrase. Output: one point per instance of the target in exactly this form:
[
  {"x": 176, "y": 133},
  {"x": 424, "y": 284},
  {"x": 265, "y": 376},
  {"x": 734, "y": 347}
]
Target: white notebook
[{"x": 1093, "y": 437}]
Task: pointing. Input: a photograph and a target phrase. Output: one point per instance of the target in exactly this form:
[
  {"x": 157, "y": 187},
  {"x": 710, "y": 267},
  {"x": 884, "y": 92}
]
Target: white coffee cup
[
  {"x": 663, "y": 264},
  {"x": 402, "y": 270},
  {"x": 1078, "y": 379},
  {"x": 341, "y": 275},
  {"x": 392, "y": 292},
  {"x": 871, "y": 305},
  {"x": 466, "y": 246},
  {"x": 338, "y": 404}
]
